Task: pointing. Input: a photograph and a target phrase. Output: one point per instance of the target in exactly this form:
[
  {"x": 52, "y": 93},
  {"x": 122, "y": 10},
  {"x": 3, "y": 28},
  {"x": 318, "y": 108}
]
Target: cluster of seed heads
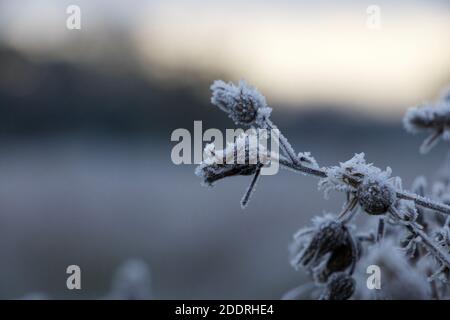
[{"x": 331, "y": 251}]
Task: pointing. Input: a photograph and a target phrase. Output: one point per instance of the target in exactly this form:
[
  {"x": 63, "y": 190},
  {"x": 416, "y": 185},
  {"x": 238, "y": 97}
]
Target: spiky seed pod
[
  {"x": 243, "y": 103},
  {"x": 340, "y": 286},
  {"x": 375, "y": 197}
]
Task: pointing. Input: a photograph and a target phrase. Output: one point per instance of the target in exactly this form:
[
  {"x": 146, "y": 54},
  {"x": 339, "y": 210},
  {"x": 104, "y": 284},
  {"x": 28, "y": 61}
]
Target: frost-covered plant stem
[
  {"x": 284, "y": 143},
  {"x": 321, "y": 173},
  {"x": 434, "y": 248},
  {"x": 424, "y": 202},
  {"x": 329, "y": 250}
]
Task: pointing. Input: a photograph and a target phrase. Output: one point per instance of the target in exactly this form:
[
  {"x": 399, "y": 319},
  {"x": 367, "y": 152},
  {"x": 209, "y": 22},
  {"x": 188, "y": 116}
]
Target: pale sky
[{"x": 294, "y": 52}]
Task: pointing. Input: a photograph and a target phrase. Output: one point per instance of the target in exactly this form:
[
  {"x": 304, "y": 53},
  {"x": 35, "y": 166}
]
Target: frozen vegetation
[{"x": 407, "y": 232}]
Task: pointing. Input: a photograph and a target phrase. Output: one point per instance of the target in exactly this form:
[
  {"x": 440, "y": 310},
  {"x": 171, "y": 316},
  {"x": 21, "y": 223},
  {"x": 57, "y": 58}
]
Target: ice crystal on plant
[
  {"x": 376, "y": 197},
  {"x": 442, "y": 237},
  {"x": 243, "y": 157},
  {"x": 243, "y": 103},
  {"x": 432, "y": 117},
  {"x": 427, "y": 116},
  {"x": 329, "y": 250},
  {"x": 307, "y": 158},
  {"x": 356, "y": 167}
]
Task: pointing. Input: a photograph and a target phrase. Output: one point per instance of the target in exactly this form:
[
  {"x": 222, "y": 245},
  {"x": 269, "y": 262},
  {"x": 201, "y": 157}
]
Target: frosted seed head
[
  {"x": 339, "y": 260},
  {"x": 340, "y": 286},
  {"x": 327, "y": 235},
  {"x": 214, "y": 172},
  {"x": 238, "y": 158},
  {"x": 356, "y": 167},
  {"x": 375, "y": 197},
  {"x": 427, "y": 116},
  {"x": 419, "y": 186},
  {"x": 244, "y": 104}
]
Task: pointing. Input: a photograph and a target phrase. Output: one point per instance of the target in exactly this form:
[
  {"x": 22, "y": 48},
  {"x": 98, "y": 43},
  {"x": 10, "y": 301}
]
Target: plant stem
[
  {"x": 434, "y": 248},
  {"x": 424, "y": 202},
  {"x": 250, "y": 188},
  {"x": 284, "y": 143},
  {"x": 380, "y": 230},
  {"x": 294, "y": 163}
]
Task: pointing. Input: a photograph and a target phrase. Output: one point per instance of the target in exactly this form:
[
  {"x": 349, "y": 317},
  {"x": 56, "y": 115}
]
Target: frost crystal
[
  {"x": 356, "y": 167},
  {"x": 434, "y": 117},
  {"x": 243, "y": 157},
  {"x": 375, "y": 197},
  {"x": 306, "y": 157},
  {"x": 243, "y": 103},
  {"x": 442, "y": 237}
]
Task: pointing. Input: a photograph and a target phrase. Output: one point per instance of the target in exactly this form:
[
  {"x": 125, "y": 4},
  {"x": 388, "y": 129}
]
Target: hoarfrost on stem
[{"x": 328, "y": 250}]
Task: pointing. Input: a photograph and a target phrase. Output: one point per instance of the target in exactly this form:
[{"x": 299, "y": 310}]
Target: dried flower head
[
  {"x": 375, "y": 197},
  {"x": 243, "y": 103},
  {"x": 340, "y": 259},
  {"x": 340, "y": 286},
  {"x": 434, "y": 117},
  {"x": 243, "y": 157},
  {"x": 325, "y": 248},
  {"x": 345, "y": 177}
]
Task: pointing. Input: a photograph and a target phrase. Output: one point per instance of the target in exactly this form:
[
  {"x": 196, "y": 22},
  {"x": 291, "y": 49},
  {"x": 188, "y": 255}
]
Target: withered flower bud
[
  {"x": 329, "y": 234},
  {"x": 375, "y": 197},
  {"x": 243, "y": 103},
  {"x": 340, "y": 286}
]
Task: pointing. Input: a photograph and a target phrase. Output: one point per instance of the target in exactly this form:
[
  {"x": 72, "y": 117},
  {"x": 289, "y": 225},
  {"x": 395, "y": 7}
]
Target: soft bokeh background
[{"x": 86, "y": 117}]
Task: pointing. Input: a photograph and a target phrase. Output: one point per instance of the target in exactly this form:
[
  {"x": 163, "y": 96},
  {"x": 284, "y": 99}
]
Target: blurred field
[{"x": 96, "y": 202}]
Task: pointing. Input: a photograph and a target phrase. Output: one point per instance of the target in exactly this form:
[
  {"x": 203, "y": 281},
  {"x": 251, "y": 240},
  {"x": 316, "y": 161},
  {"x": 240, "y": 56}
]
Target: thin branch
[
  {"x": 417, "y": 230},
  {"x": 317, "y": 172},
  {"x": 321, "y": 173},
  {"x": 250, "y": 188},
  {"x": 432, "y": 246},
  {"x": 431, "y": 141},
  {"x": 349, "y": 211},
  {"x": 284, "y": 143},
  {"x": 424, "y": 202},
  {"x": 380, "y": 230}
]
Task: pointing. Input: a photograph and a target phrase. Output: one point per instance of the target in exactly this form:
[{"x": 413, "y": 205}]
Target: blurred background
[{"x": 86, "y": 116}]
